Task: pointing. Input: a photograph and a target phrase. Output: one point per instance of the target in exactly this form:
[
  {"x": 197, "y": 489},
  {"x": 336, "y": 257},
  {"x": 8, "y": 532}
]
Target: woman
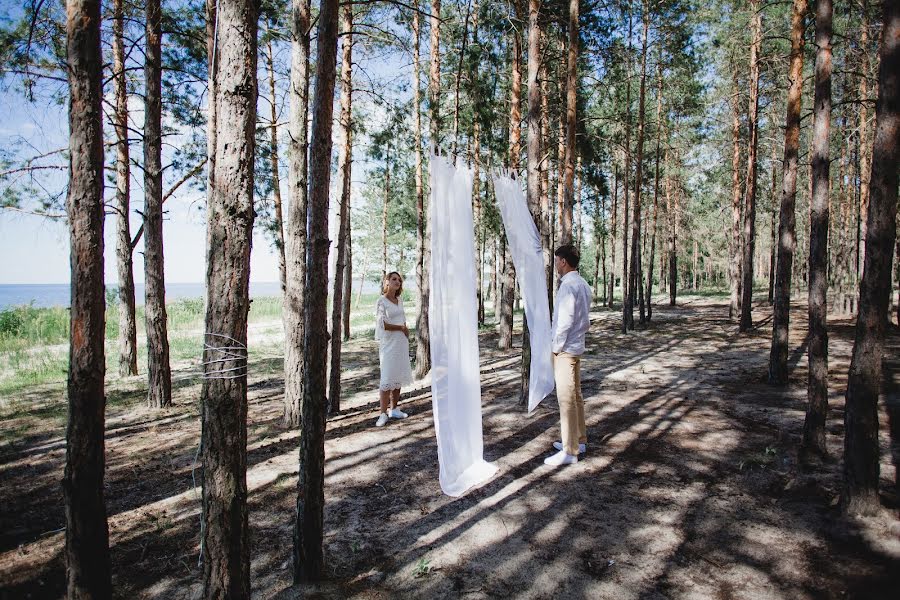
[{"x": 393, "y": 347}]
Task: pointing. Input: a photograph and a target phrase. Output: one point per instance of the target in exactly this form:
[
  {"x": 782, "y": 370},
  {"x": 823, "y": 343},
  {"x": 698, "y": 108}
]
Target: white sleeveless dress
[{"x": 393, "y": 346}]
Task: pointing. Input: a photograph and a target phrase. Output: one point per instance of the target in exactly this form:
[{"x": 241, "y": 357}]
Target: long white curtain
[
  {"x": 525, "y": 247},
  {"x": 453, "y": 326}
]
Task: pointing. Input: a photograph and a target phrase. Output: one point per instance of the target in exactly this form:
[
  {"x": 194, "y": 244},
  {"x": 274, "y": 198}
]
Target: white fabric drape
[
  {"x": 453, "y": 327},
  {"x": 527, "y": 256}
]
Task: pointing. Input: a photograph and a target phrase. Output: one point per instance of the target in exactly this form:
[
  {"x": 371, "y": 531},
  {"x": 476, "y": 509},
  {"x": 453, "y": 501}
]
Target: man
[{"x": 571, "y": 321}]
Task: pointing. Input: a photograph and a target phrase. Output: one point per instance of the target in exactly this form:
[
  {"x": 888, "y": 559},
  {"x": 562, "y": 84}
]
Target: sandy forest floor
[{"x": 689, "y": 488}]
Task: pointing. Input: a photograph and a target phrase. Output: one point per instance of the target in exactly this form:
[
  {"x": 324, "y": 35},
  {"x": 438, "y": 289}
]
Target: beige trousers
[{"x": 567, "y": 372}]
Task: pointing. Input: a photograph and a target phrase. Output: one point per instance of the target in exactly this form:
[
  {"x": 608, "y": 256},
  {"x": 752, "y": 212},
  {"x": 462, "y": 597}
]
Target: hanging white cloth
[
  {"x": 453, "y": 327},
  {"x": 525, "y": 247}
]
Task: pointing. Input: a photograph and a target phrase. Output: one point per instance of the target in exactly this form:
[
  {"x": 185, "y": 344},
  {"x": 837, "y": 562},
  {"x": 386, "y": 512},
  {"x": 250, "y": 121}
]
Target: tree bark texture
[
  {"x": 817, "y": 387},
  {"x": 749, "y": 240},
  {"x": 634, "y": 284},
  {"x": 295, "y": 243},
  {"x": 612, "y": 236},
  {"x": 345, "y": 160},
  {"x": 861, "y": 453},
  {"x": 865, "y": 156},
  {"x": 571, "y": 124},
  {"x": 124, "y": 252},
  {"x": 650, "y": 263},
  {"x": 309, "y": 559},
  {"x": 626, "y": 307},
  {"x": 159, "y": 388},
  {"x": 773, "y": 226},
  {"x": 273, "y": 161},
  {"x": 421, "y": 216},
  {"x": 423, "y": 340},
  {"x": 226, "y": 539},
  {"x": 778, "y": 367},
  {"x": 533, "y": 123},
  {"x": 734, "y": 264},
  {"x": 87, "y": 533}
]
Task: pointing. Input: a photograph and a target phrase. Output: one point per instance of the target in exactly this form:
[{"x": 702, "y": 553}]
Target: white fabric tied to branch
[
  {"x": 527, "y": 256},
  {"x": 453, "y": 326}
]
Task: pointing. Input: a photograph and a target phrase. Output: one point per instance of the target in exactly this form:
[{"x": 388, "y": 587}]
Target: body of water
[{"x": 57, "y": 294}]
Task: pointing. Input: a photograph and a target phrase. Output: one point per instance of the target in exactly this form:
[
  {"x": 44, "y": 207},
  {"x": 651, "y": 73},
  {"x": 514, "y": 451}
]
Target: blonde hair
[{"x": 387, "y": 279}]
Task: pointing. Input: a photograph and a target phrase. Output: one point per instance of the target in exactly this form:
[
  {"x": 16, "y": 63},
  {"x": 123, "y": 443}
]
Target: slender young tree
[
  {"x": 274, "y": 161},
  {"x": 817, "y": 389},
  {"x": 345, "y": 160},
  {"x": 124, "y": 252},
  {"x": 612, "y": 233},
  {"x": 750, "y": 203},
  {"x": 295, "y": 244},
  {"x": 159, "y": 390},
  {"x": 634, "y": 271},
  {"x": 421, "y": 217},
  {"x": 508, "y": 293},
  {"x": 87, "y": 533},
  {"x": 626, "y": 306},
  {"x": 533, "y": 124},
  {"x": 865, "y": 148},
  {"x": 571, "y": 124},
  {"x": 650, "y": 263},
  {"x": 423, "y": 340},
  {"x": 734, "y": 265},
  {"x": 778, "y": 368},
  {"x": 226, "y": 535},
  {"x": 861, "y": 454},
  {"x": 309, "y": 559}
]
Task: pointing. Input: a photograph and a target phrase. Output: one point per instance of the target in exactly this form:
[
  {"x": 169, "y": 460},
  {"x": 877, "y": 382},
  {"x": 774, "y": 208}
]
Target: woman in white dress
[{"x": 393, "y": 347}]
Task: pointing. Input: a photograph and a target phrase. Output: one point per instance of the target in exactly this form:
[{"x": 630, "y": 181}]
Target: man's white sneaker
[
  {"x": 382, "y": 419},
  {"x": 396, "y": 413},
  {"x": 581, "y": 447},
  {"x": 560, "y": 458}
]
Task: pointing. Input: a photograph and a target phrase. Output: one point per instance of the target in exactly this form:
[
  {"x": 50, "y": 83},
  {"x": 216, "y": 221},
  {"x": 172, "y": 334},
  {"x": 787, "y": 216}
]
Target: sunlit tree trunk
[
  {"x": 778, "y": 368},
  {"x": 87, "y": 533},
  {"x": 225, "y": 539},
  {"x": 309, "y": 558},
  {"x": 273, "y": 159},
  {"x": 750, "y": 204},
  {"x": 295, "y": 244},
  {"x": 345, "y": 161},
  {"x": 124, "y": 252},
  {"x": 734, "y": 264},
  {"x": 159, "y": 388}
]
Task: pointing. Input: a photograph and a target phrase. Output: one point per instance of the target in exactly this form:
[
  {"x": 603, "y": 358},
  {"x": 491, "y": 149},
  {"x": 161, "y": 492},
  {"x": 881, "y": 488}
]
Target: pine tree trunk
[
  {"x": 626, "y": 279},
  {"x": 309, "y": 559},
  {"x": 635, "y": 285},
  {"x": 652, "y": 260},
  {"x": 423, "y": 341},
  {"x": 225, "y": 538},
  {"x": 734, "y": 272},
  {"x": 345, "y": 161},
  {"x": 865, "y": 148},
  {"x": 384, "y": 211},
  {"x": 533, "y": 121},
  {"x": 602, "y": 243},
  {"x": 159, "y": 389},
  {"x": 817, "y": 389},
  {"x": 508, "y": 292},
  {"x": 421, "y": 217},
  {"x": 749, "y": 240},
  {"x": 612, "y": 235},
  {"x": 348, "y": 279},
  {"x": 861, "y": 452},
  {"x": 547, "y": 223},
  {"x": 454, "y": 144},
  {"x": 778, "y": 368},
  {"x": 124, "y": 252},
  {"x": 273, "y": 158},
  {"x": 773, "y": 227},
  {"x": 295, "y": 244},
  {"x": 571, "y": 122},
  {"x": 672, "y": 209},
  {"x": 87, "y": 533}
]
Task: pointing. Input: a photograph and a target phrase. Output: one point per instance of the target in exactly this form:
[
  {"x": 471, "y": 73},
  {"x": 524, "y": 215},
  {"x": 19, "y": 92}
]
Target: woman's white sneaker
[
  {"x": 382, "y": 419},
  {"x": 396, "y": 413}
]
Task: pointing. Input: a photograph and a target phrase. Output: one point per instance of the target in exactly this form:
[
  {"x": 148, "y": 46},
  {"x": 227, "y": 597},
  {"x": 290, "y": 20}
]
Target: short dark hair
[{"x": 570, "y": 254}]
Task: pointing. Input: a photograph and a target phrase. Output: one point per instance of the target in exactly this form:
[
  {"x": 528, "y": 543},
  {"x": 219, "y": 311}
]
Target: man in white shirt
[{"x": 571, "y": 321}]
